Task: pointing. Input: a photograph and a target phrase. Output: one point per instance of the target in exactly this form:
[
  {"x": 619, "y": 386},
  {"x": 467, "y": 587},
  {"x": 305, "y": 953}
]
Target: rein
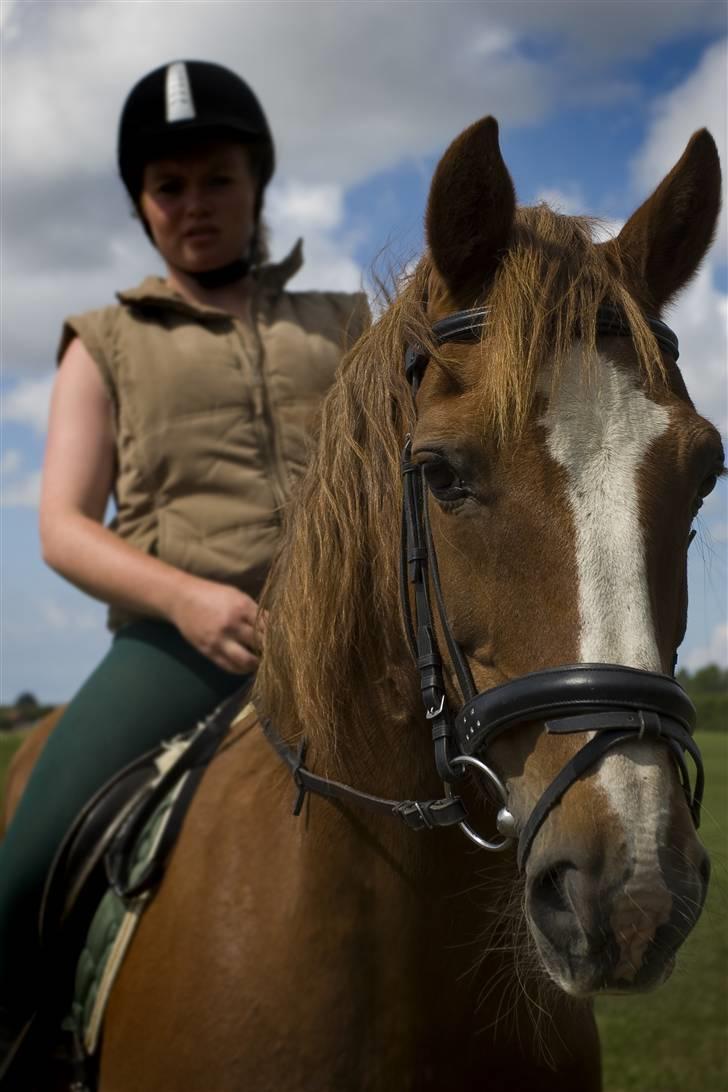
[{"x": 614, "y": 703}]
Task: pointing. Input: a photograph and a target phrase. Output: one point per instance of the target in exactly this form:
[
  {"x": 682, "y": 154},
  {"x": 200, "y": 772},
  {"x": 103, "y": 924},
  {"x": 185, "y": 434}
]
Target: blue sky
[{"x": 595, "y": 102}]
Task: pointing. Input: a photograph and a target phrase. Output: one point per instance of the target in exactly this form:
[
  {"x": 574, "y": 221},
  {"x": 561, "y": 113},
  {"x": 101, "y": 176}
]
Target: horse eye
[
  {"x": 708, "y": 486},
  {"x": 443, "y": 481}
]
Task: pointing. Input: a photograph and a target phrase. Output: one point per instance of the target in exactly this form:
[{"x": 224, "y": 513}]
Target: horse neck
[{"x": 380, "y": 742}]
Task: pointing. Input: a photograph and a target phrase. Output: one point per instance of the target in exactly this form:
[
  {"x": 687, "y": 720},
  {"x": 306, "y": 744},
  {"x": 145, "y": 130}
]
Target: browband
[{"x": 468, "y": 326}]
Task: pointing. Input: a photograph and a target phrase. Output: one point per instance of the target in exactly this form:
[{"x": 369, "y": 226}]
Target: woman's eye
[
  {"x": 169, "y": 188},
  {"x": 444, "y": 482}
]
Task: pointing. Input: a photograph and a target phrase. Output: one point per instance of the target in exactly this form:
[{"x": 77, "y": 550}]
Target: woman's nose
[{"x": 198, "y": 200}]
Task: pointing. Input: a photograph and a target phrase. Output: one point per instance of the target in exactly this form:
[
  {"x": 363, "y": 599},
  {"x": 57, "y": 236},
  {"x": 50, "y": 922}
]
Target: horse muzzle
[{"x": 597, "y": 933}]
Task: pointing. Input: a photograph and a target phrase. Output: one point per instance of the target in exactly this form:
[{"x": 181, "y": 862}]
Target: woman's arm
[{"x": 78, "y": 478}]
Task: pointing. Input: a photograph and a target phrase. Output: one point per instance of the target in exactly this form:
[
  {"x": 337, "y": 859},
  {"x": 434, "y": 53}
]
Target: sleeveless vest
[{"x": 213, "y": 418}]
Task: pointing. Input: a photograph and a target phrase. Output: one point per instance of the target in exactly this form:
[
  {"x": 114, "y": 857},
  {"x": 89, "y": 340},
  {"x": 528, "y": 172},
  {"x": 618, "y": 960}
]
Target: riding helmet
[{"x": 187, "y": 99}]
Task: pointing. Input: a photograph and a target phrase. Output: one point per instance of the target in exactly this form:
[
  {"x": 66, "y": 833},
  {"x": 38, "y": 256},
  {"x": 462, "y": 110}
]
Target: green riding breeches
[{"x": 151, "y": 686}]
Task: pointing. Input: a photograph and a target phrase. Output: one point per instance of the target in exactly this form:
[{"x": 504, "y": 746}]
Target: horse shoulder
[{"x": 208, "y": 934}]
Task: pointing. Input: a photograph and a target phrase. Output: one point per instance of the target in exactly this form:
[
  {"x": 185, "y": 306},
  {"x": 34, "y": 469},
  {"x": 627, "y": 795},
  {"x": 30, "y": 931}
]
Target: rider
[{"x": 191, "y": 403}]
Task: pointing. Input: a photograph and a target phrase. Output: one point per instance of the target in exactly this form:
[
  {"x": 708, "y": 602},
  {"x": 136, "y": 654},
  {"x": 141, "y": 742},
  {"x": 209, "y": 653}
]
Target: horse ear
[
  {"x": 665, "y": 240},
  {"x": 470, "y": 210}
]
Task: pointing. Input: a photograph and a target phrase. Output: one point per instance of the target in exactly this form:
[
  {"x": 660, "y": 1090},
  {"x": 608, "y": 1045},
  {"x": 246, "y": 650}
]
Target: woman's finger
[{"x": 241, "y": 659}]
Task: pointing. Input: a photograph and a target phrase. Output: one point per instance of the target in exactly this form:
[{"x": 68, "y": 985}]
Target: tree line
[{"x": 708, "y": 688}]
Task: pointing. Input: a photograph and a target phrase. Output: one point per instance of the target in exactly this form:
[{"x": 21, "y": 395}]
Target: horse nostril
[{"x": 547, "y": 894}]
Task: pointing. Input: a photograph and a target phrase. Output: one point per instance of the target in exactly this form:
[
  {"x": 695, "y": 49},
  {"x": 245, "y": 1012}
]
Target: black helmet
[{"x": 189, "y": 97}]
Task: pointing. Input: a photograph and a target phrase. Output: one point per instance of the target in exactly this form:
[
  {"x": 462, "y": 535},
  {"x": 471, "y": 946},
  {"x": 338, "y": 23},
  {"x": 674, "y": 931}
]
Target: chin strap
[{"x": 224, "y": 275}]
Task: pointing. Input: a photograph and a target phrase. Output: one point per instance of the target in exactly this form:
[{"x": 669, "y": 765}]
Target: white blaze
[{"x": 600, "y": 426}]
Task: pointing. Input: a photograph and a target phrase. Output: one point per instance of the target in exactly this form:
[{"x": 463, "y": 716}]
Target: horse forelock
[
  {"x": 546, "y": 293},
  {"x": 334, "y": 640}
]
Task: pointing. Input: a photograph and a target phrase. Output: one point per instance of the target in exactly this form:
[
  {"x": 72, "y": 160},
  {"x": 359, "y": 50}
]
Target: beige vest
[{"x": 214, "y": 418}]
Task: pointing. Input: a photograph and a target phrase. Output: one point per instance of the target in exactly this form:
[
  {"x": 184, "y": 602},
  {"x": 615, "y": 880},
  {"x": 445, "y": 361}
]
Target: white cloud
[
  {"x": 699, "y": 318},
  {"x": 38, "y": 301},
  {"x": 22, "y": 492},
  {"x": 569, "y": 201},
  {"x": 10, "y": 461},
  {"x": 700, "y": 315},
  {"x": 320, "y": 207},
  {"x": 8, "y": 26},
  {"x": 349, "y": 88},
  {"x": 58, "y": 616},
  {"x": 715, "y": 651},
  {"x": 27, "y": 402},
  {"x": 315, "y": 211},
  {"x": 700, "y": 101}
]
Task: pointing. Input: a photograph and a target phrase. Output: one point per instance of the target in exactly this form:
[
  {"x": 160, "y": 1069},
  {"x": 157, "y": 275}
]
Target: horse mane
[{"x": 334, "y": 639}]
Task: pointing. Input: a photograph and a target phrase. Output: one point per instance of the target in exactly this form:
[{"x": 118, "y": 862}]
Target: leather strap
[
  {"x": 612, "y": 731},
  {"x": 416, "y": 814},
  {"x": 562, "y": 691}
]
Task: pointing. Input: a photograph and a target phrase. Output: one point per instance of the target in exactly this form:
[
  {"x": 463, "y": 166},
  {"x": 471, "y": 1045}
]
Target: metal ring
[
  {"x": 492, "y": 776},
  {"x": 495, "y": 781}
]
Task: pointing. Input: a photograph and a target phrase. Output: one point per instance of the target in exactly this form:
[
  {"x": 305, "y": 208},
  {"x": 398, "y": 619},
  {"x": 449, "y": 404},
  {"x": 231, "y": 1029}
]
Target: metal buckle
[
  {"x": 504, "y": 815},
  {"x": 430, "y": 714}
]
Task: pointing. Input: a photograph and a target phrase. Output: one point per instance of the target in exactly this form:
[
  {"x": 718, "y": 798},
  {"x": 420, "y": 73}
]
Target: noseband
[{"x": 615, "y": 704}]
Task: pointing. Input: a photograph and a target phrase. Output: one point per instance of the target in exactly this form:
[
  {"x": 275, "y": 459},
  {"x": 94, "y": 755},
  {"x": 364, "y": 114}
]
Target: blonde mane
[{"x": 334, "y": 633}]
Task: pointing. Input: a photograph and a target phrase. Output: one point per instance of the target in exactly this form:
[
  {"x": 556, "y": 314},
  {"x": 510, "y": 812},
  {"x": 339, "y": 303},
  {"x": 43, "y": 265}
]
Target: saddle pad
[{"x": 115, "y": 921}]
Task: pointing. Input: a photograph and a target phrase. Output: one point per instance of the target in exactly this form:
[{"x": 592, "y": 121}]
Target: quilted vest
[{"x": 214, "y": 417}]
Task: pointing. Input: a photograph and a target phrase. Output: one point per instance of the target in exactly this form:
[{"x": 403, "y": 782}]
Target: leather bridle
[{"x": 615, "y": 704}]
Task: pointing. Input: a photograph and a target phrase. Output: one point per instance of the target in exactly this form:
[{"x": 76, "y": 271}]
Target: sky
[{"x": 595, "y": 101}]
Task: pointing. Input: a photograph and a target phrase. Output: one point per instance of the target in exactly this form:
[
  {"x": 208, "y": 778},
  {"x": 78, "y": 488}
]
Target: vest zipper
[{"x": 270, "y": 441}]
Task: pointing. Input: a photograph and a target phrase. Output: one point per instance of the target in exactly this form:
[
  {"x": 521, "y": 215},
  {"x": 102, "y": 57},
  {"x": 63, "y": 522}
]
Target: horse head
[
  {"x": 553, "y": 464},
  {"x": 565, "y": 463}
]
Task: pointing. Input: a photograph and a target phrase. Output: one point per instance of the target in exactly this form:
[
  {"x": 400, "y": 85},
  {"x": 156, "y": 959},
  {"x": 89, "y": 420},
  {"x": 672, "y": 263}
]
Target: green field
[
  {"x": 676, "y": 1039},
  {"x": 9, "y": 742}
]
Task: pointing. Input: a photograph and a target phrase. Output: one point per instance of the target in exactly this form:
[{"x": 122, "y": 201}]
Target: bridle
[{"x": 616, "y": 704}]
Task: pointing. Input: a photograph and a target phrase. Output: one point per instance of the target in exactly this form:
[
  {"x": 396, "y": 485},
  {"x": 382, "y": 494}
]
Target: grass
[
  {"x": 9, "y": 743},
  {"x": 676, "y": 1039}
]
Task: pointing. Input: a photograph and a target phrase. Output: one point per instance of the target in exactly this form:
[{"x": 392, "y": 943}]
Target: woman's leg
[{"x": 150, "y": 686}]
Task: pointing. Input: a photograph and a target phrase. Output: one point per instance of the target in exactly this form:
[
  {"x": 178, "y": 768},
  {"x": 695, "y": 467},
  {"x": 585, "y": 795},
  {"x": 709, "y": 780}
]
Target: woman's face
[{"x": 199, "y": 204}]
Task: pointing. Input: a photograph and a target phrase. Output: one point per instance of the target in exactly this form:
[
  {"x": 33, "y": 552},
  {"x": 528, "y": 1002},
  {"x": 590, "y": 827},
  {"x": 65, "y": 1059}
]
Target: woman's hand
[{"x": 221, "y": 622}]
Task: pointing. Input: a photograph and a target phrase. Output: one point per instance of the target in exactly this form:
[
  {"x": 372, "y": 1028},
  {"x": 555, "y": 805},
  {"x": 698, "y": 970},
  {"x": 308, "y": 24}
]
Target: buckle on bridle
[{"x": 433, "y": 712}]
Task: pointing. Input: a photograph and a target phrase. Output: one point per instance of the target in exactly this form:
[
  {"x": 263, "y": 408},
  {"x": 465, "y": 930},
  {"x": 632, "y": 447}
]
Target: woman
[{"x": 191, "y": 402}]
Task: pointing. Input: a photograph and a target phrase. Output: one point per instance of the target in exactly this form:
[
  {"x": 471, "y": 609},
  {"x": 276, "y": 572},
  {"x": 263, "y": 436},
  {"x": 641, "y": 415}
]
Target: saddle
[{"x": 99, "y": 858}]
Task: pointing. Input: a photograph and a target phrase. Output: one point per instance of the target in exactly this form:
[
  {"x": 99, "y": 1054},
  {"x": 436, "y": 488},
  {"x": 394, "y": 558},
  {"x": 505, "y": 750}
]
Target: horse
[{"x": 505, "y": 478}]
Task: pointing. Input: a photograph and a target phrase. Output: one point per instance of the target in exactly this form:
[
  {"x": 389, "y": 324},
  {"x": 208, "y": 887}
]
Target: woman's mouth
[{"x": 201, "y": 234}]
